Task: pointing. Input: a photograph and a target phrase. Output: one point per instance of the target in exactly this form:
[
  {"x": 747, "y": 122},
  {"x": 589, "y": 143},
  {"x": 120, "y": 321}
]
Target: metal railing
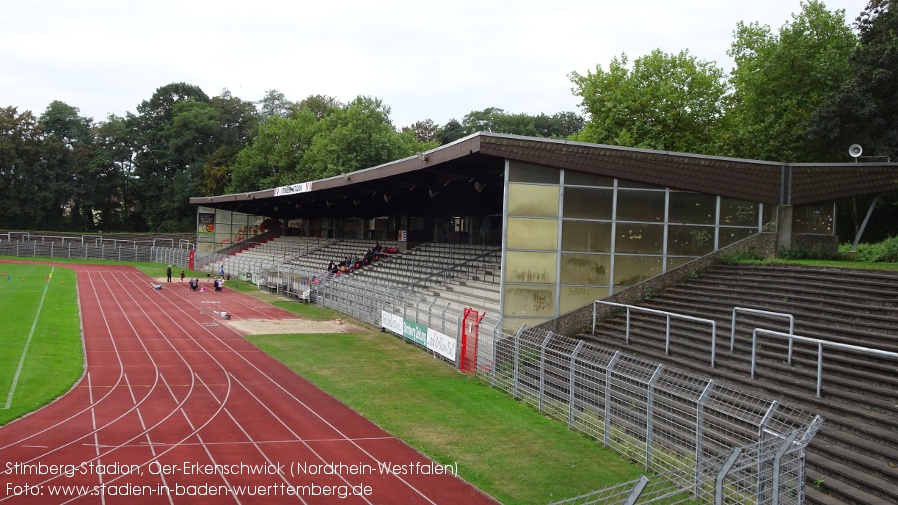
[
  {"x": 736, "y": 310},
  {"x": 666, "y": 314},
  {"x": 820, "y": 345}
]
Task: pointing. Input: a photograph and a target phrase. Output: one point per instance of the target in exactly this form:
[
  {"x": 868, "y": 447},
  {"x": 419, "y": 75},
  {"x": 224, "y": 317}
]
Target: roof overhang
[{"x": 466, "y": 178}]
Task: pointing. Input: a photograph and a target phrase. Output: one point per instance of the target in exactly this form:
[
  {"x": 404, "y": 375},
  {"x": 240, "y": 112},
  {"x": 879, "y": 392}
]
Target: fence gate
[{"x": 470, "y": 326}]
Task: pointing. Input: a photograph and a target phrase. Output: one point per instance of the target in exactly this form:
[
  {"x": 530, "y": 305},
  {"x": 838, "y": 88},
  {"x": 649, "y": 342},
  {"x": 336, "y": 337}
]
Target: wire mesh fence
[{"x": 677, "y": 426}]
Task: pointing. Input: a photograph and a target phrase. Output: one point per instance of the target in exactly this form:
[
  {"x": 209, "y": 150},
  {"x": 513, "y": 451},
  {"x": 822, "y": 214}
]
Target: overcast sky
[{"x": 437, "y": 60}]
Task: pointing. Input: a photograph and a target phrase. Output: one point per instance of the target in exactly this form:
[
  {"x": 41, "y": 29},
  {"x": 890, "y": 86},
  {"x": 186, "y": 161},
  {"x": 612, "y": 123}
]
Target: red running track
[{"x": 171, "y": 410}]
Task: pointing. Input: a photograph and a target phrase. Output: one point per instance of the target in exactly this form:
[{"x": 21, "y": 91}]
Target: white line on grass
[{"x": 15, "y": 379}]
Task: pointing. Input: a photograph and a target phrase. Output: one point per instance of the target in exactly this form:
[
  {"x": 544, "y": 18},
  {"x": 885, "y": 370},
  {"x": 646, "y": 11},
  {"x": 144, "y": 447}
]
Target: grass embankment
[{"x": 40, "y": 312}]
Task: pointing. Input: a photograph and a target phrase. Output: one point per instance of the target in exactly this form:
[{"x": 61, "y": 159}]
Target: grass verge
[{"x": 501, "y": 446}]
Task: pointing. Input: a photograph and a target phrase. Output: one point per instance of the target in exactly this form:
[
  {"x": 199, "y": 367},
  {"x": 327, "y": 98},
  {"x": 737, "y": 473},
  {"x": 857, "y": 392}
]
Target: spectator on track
[{"x": 168, "y": 273}]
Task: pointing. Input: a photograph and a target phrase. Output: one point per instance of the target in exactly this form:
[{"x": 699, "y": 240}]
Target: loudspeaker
[{"x": 855, "y": 150}]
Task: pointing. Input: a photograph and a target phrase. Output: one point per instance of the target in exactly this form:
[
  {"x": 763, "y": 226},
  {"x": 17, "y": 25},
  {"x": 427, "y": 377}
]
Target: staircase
[{"x": 853, "y": 460}]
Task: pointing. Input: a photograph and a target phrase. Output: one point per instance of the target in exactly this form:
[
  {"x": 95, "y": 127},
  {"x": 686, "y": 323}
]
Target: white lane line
[{"x": 15, "y": 379}]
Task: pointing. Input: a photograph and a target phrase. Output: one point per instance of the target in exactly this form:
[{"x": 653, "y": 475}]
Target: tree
[
  {"x": 425, "y": 131},
  {"x": 320, "y": 105},
  {"x": 780, "y": 80},
  {"x": 274, "y": 104},
  {"x": 114, "y": 166},
  {"x": 865, "y": 109},
  {"x": 666, "y": 101},
  {"x": 68, "y": 158},
  {"x": 450, "y": 132},
  {"x": 177, "y": 115}
]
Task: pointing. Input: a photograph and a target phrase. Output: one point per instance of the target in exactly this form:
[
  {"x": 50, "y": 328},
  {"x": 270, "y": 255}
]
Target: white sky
[{"x": 437, "y": 60}]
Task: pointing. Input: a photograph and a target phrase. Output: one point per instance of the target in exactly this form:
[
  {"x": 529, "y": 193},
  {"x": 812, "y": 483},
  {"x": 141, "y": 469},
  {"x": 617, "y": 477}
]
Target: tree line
[{"x": 803, "y": 93}]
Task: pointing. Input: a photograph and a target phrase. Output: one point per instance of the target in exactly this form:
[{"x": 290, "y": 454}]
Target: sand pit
[{"x": 269, "y": 326}]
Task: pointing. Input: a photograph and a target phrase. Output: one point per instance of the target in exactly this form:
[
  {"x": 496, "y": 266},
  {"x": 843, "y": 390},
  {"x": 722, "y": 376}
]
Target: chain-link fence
[
  {"x": 101, "y": 251},
  {"x": 679, "y": 427}
]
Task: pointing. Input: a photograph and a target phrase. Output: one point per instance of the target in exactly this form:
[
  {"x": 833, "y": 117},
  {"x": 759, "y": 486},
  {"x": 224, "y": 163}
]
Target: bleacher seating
[{"x": 854, "y": 458}]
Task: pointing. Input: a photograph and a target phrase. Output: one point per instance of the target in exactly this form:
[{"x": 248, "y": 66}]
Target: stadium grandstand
[
  {"x": 517, "y": 238},
  {"x": 586, "y": 281}
]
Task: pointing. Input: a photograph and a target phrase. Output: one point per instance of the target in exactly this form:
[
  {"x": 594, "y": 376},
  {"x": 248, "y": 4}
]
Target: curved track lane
[{"x": 172, "y": 410}]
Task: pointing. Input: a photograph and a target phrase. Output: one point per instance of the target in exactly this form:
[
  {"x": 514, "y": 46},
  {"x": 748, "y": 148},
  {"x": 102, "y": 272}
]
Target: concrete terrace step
[{"x": 855, "y": 453}]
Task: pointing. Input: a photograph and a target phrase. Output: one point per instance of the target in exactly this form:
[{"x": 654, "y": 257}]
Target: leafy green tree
[
  {"x": 357, "y": 136},
  {"x": 781, "y": 79},
  {"x": 276, "y": 154},
  {"x": 666, "y": 101},
  {"x": 425, "y": 131},
  {"x": 450, "y": 132},
  {"x": 174, "y": 131},
  {"x": 20, "y": 155},
  {"x": 274, "y": 104},
  {"x": 113, "y": 161},
  {"x": 319, "y": 105},
  {"x": 68, "y": 156},
  {"x": 865, "y": 109}
]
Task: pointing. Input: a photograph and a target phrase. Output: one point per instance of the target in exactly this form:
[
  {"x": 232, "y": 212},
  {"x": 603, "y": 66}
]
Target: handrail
[
  {"x": 820, "y": 344},
  {"x": 765, "y": 313},
  {"x": 668, "y": 315}
]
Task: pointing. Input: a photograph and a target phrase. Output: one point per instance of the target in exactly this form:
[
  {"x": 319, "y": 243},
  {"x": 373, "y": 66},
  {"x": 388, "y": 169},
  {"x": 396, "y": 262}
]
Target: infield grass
[{"x": 45, "y": 309}]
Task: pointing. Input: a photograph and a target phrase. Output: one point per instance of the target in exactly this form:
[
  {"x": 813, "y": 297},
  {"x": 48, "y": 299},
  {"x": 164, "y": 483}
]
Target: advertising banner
[
  {"x": 442, "y": 344},
  {"x": 391, "y": 322},
  {"x": 415, "y": 332}
]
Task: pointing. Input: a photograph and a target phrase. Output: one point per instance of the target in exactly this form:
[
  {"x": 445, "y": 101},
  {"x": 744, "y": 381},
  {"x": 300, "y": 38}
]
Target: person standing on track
[{"x": 168, "y": 273}]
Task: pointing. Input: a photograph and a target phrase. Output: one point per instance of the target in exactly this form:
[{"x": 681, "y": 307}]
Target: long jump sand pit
[{"x": 271, "y": 327}]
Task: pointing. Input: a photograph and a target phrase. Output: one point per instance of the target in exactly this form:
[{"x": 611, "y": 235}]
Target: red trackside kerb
[{"x": 164, "y": 393}]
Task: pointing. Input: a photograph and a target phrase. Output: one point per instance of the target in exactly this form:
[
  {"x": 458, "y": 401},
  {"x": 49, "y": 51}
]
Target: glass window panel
[
  {"x": 690, "y": 240},
  {"x": 731, "y": 235},
  {"x": 574, "y": 297},
  {"x": 588, "y": 203},
  {"x": 735, "y": 212},
  {"x": 575, "y": 178},
  {"x": 586, "y": 236},
  {"x": 640, "y": 206},
  {"x": 530, "y": 301},
  {"x": 529, "y": 200},
  {"x": 529, "y": 267},
  {"x": 639, "y": 238},
  {"x": 630, "y": 270},
  {"x": 593, "y": 269},
  {"x": 519, "y": 171},
  {"x": 692, "y": 208},
  {"x": 525, "y": 233},
  {"x": 813, "y": 218}
]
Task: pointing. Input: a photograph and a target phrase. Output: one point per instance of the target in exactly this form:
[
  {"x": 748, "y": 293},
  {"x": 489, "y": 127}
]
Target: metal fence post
[
  {"x": 775, "y": 495},
  {"x": 572, "y": 386},
  {"x": 649, "y": 415},
  {"x": 517, "y": 359},
  {"x": 699, "y": 433},
  {"x": 724, "y": 470},
  {"x": 542, "y": 370},
  {"x": 611, "y": 363}
]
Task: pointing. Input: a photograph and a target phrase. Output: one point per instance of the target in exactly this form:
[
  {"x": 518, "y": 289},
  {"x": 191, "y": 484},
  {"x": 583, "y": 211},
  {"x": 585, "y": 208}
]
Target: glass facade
[
  {"x": 218, "y": 228},
  {"x": 573, "y": 237}
]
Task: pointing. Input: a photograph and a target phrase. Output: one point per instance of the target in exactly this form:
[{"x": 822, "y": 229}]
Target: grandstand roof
[{"x": 465, "y": 178}]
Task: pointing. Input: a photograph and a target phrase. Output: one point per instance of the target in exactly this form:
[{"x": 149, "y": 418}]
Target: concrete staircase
[{"x": 854, "y": 458}]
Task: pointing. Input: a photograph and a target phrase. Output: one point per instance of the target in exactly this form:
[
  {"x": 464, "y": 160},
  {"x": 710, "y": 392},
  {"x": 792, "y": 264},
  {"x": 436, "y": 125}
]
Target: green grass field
[{"x": 46, "y": 310}]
